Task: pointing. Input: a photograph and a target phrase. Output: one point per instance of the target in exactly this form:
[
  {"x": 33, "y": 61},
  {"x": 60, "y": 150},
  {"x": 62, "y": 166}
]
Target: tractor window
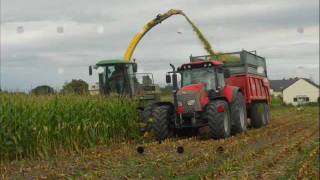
[
  {"x": 102, "y": 79},
  {"x": 131, "y": 76},
  {"x": 116, "y": 78},
  {"x": 110, "y": 70},
  {"x": 220, "y": 76},
  {"x": 199, "y": 75}
]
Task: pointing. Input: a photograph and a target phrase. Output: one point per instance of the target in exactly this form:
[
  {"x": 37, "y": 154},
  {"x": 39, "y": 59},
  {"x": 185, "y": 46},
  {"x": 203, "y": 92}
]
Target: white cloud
[
  {"x": 100, "y": 29},
  {"x": 60, "y": 71}
]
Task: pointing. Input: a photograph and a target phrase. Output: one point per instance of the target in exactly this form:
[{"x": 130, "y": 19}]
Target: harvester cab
[
  {"x": 121, "y": 77},
  {"x": 115, "y": 76}
]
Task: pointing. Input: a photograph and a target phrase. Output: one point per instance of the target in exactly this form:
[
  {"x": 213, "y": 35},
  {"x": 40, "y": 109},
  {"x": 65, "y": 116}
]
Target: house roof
[
  {"x": 280, "y": 85},
  {"x": 311, "y": 82}
]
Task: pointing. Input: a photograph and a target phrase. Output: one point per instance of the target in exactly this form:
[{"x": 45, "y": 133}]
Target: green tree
[
  {"x": 76, "y": 87},
  {"x": 42, "y": 90}
]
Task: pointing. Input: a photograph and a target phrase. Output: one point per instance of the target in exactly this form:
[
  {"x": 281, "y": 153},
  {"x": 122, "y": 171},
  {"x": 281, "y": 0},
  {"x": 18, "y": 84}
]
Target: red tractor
[{"x": 220, "y": 92}]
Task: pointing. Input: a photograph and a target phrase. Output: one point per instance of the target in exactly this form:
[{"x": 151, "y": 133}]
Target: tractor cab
[
  {"x": 200, "y": 81},
  {"x": 210, "y": 74}
]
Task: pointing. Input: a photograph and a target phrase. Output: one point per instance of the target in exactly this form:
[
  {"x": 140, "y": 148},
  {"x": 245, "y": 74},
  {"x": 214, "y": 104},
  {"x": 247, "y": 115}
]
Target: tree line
[{"x": 73, "y": 87}]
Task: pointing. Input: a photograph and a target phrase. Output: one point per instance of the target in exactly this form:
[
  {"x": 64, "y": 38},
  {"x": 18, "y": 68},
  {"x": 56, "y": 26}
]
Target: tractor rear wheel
[
  {"x": 238, "y": 114},
  {"x": 217, "y": 114},
  {"x": 161, "y": 124},
  {"x": 258, "y": 115}
]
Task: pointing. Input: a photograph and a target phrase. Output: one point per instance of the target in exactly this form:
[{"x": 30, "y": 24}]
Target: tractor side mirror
[
  {"x": 168, "y": 79},
  {"x": 226, "y": 73},
  {"x": 90, "y": 70},
  {"x": 135, "y": 67}
]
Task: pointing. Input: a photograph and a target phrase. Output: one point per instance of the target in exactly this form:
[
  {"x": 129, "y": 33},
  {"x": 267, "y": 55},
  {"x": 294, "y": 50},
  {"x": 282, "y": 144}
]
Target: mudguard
[
  {"x": 164, "y": 103},
  {"x": 230, "y": 92}
]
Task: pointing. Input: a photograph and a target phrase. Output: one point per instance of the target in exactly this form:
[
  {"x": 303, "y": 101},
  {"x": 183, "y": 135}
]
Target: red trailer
[
  {"x": 221, "y": 92},
  {"x": 255, "y": 88},
  {"x": 250, "y": 75}
]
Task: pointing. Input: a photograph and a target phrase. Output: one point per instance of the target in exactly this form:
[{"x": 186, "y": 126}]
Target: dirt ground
[{"x": 287, "y": 148}]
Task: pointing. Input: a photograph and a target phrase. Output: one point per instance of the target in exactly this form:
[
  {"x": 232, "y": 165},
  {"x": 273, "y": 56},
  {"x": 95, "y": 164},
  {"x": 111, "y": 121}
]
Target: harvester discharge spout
[{"x": 157, "y": 20}]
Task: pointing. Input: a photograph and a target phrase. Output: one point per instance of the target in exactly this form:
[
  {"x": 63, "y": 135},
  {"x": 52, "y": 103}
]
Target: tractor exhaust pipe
[{"x": 174, "y": 85}]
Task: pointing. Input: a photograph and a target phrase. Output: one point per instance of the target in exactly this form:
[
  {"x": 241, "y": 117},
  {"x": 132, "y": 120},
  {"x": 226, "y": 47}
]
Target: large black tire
[
  {"x": 267, "y": 113},
  {"x": 146, "y": 116},
  {"x": 147, "y": 111},
  {"x": 258, "y": 115},
  {"x": 238, "y": 114},
  {"x": 219, "y": 122},
  {"x": 161, "y": 124}
]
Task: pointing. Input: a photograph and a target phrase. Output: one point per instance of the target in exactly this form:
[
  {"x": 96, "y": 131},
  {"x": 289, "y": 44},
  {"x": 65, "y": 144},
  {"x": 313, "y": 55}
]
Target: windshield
[
  {"x": 116, "y": 78},
  {"x": 198, "y": 75}
]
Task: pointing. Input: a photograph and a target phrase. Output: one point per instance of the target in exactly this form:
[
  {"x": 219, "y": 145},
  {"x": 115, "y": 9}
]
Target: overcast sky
[{"x": 51, "y": 42}]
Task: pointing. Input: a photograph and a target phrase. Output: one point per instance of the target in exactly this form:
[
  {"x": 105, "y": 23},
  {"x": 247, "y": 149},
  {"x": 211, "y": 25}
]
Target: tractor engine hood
[
  {"x": 193, "y": 88},
  {"x": 192, "y": 98}
]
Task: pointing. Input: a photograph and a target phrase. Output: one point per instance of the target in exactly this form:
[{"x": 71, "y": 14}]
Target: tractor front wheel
[
  {"x": 146, "y": 115},
  {"x": 161, "y": 124},
  {"x": 217, "y": 114}
]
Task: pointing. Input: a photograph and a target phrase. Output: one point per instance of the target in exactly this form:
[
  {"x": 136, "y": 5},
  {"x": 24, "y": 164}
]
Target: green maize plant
[{"x": 38, "y": 126}]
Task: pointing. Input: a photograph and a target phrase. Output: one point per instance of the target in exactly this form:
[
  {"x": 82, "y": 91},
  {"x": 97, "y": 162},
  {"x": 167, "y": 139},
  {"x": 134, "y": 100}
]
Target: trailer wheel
[
  {"x": 238, "y": 114},
  {"x": 217, "y": 114},
  {"x": 267, "y": 113},
  {"x": 161, "y": 124},
  {"x": 258, "y": 115}
]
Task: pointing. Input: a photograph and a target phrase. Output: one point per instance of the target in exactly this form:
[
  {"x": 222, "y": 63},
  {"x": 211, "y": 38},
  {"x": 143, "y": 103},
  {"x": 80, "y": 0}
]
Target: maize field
[
  {"x": 90, "y": 138},
  {"x": 38, "y": 126}
]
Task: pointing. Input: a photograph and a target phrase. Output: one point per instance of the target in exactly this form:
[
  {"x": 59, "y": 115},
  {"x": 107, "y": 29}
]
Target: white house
[{"x": 295, "y": 90}]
